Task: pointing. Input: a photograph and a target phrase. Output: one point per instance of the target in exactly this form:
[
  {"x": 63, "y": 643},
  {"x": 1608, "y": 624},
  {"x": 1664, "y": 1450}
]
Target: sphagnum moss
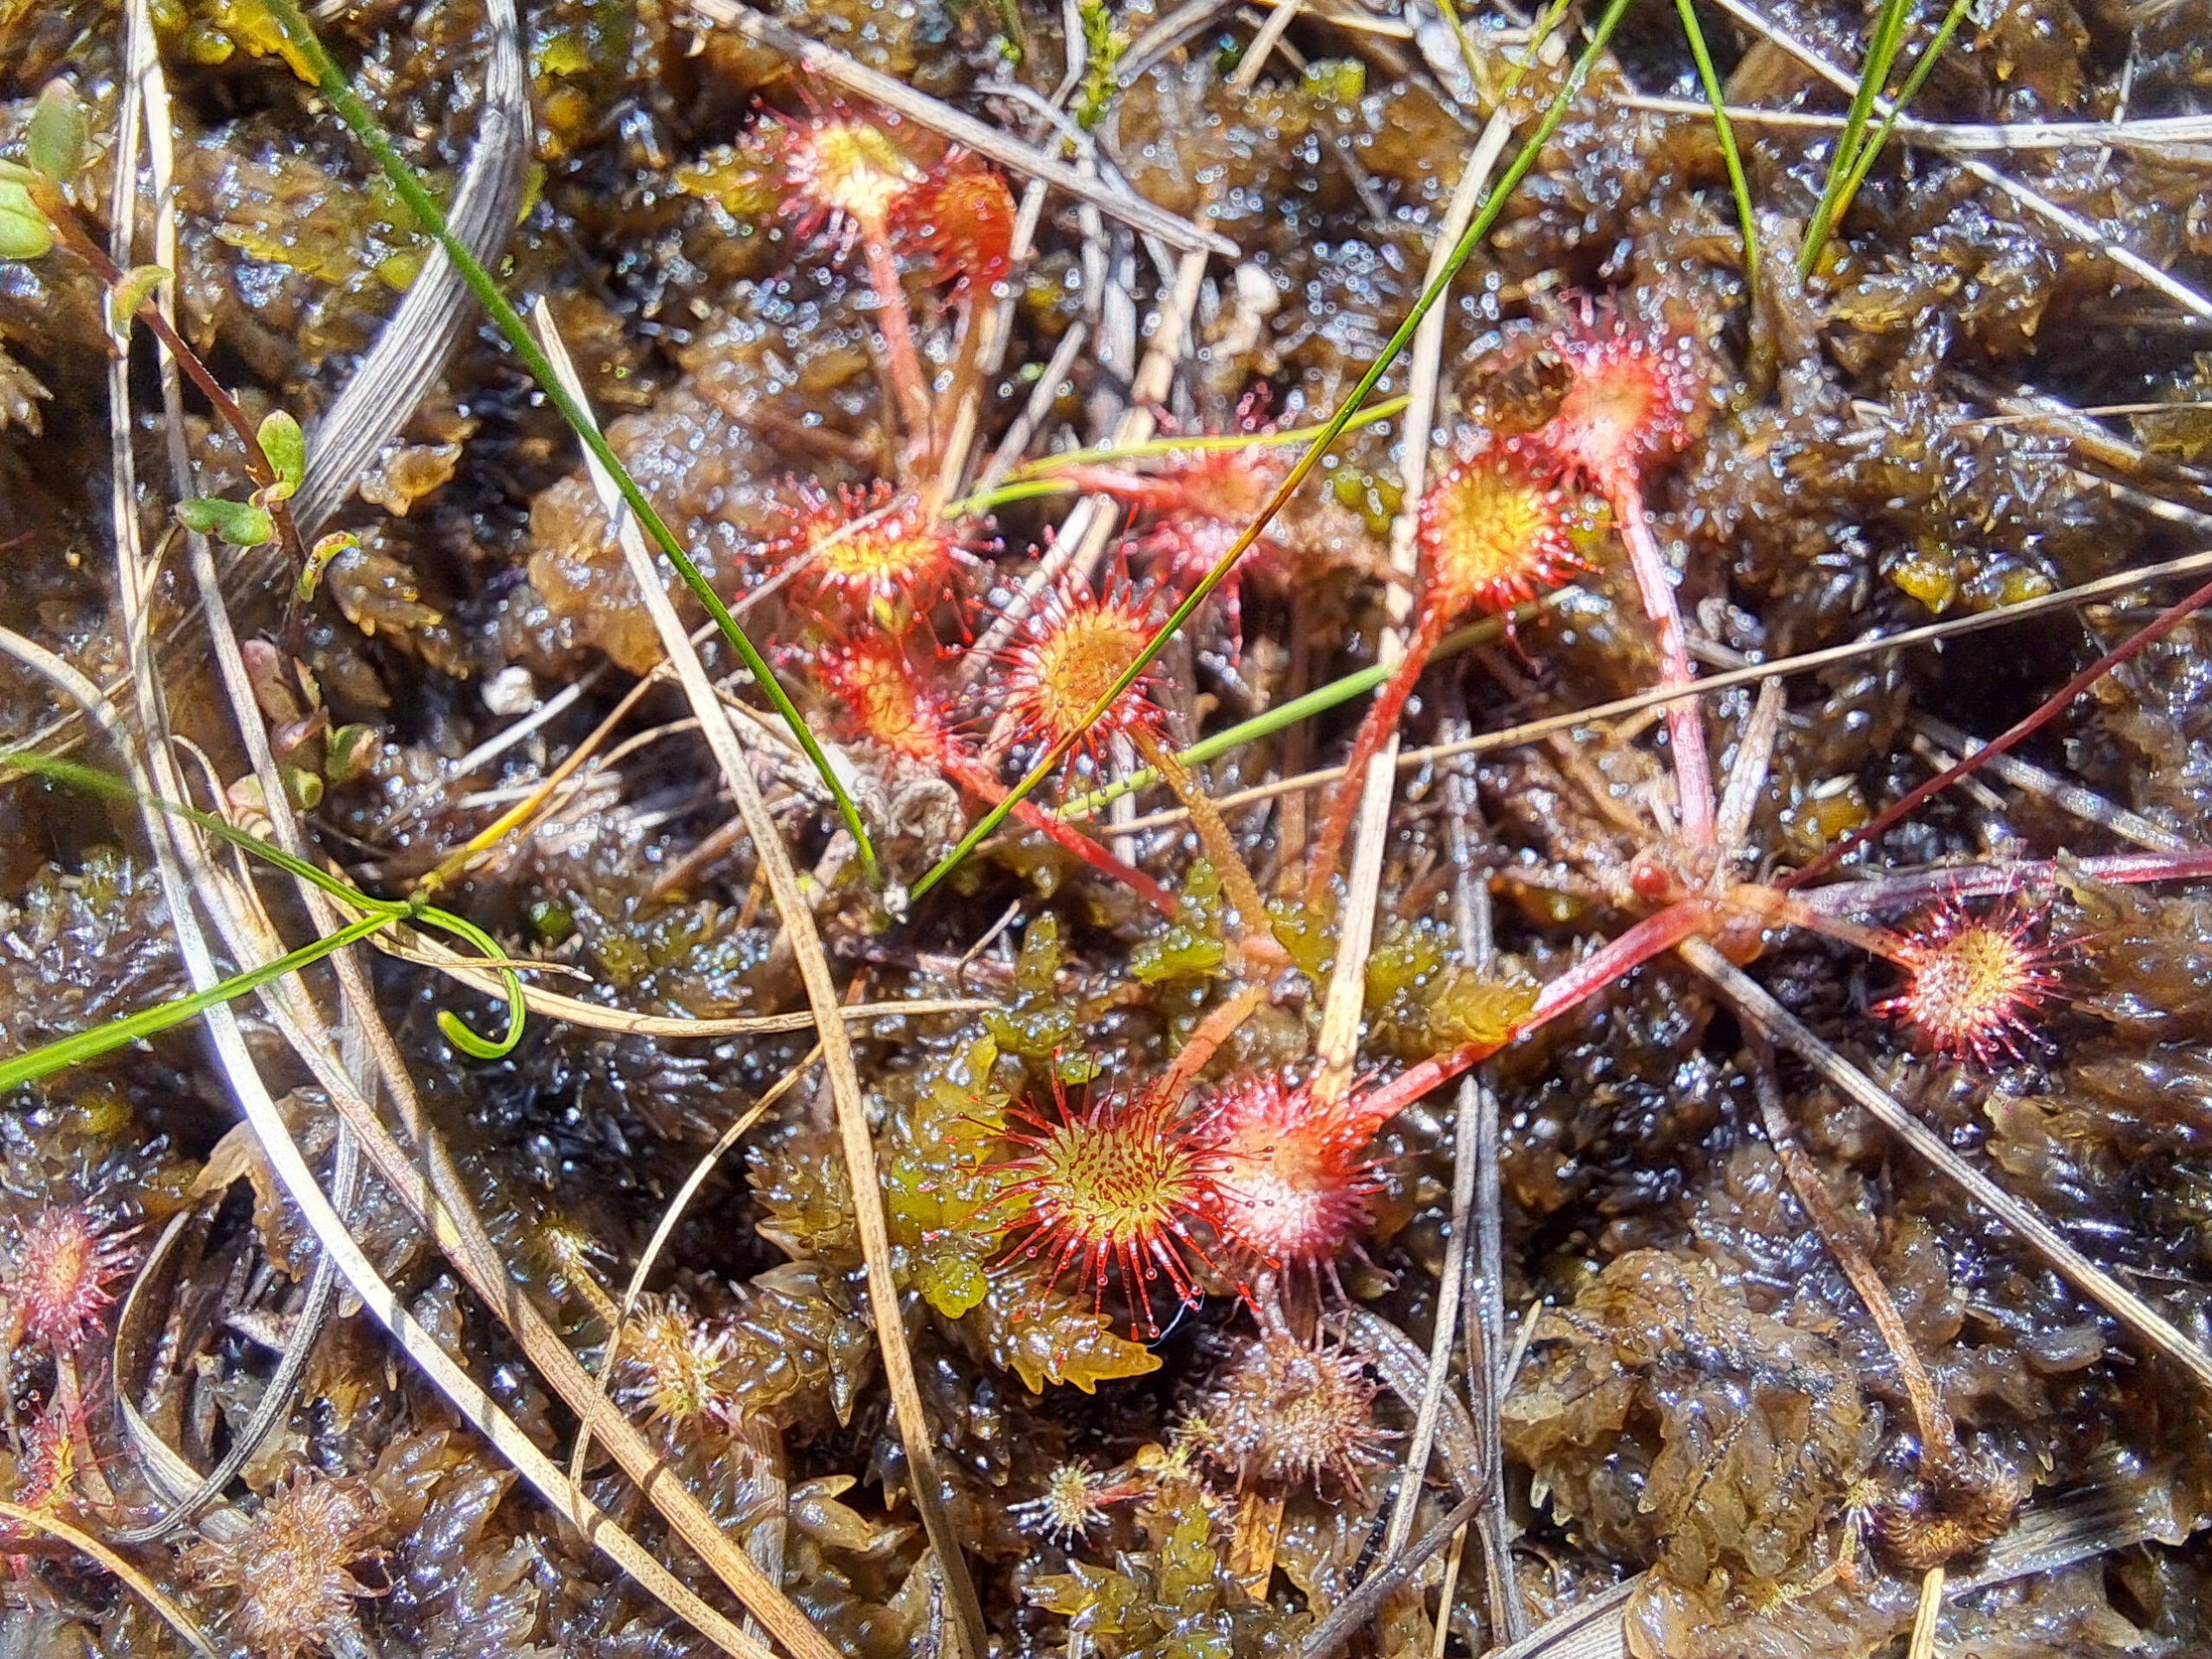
[{"x": 1702, "y": 1400}]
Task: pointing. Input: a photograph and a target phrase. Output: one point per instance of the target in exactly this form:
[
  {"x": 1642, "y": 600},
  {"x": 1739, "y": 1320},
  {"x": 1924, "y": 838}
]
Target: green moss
[
  {"x": 1423, "y": 1000},
  {"x": 1039, "y": 1023}
]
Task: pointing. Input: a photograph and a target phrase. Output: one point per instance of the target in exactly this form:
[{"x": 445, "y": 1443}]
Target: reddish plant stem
[
  {"x": 1603, "y": 967},
  {"x": 1684, "y": 720},
  {"x": 2150, "y": 634},
  {"x": 902, "y": 357},
  {"x": 1823, "y": 906},
  {"x": 1217, "y": 1028},
  {"x": 980, "y": 783},
  {"x": 64, "y": 220},
  {"x": 1382, "y": 721},
  {"x": 1770, "y": 907}
]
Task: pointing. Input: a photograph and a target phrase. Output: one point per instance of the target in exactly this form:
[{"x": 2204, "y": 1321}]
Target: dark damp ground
[{"x": 1703, "y": 1395}]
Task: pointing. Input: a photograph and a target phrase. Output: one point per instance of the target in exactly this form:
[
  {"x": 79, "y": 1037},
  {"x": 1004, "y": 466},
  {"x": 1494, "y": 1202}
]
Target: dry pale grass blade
[
  {"x": 434, "y": 1190},
  {"x": 1337, "y": 1045},
  {"x": 1403, "y": 1364},
  {"x": 411, "y": 350},
  {"x": 940, "y": 117},
  {"x": 792, "y": 908},
  {"x": 2034, "y": 200},
  {"x": 658, "y": 1242},
  {"x": 277, "y": 1396},
  {"x": 1515, "y": 736},
  {"x": 1483, "y": 1265},
  {"x": 1350, "y": 1615},
  {"x": 143, "y": 1588},
  {"x": 298, "y": 1179},
  {"x": 1753, "y": 1003},
  {"x": 1590, "y": 1629},
  {"x": 476, "y": 973},
  {"x": 1453, "y": 1278},
  {"x": 2084, "y": 803},
  {"x": 1924, "y": 1616},
  {"x": 2157, "y": 135}
]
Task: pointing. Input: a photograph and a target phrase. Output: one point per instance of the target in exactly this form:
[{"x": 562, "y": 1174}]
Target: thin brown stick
[
  {"x": 923, "y": 1481},
  {"x": 1938, "y": 1438}
]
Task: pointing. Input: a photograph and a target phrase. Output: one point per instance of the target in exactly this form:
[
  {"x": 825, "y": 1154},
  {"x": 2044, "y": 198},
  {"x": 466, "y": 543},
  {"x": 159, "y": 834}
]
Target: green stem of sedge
[
  {"x": 357, "y": 116},
  {"x": 84, "y": 1045},
  {"x": 1739, "y": 185},
  {"x": 1461, "y": 252},
  {"x": 1882, "y": 49},
  {"x": 382, "y": 913},
  {"x": 1871, "y": 151}
]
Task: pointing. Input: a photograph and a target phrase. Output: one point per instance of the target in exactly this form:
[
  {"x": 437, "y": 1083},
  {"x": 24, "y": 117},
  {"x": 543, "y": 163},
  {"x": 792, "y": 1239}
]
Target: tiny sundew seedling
[
  {"x": 1289, "y": 1413},
  {"x": 1074, "y": 1500},
  {"x": 55, "y": 1274},
  {"x": 294, "y": 1565},
  {"x": 676, "y": 1365}
]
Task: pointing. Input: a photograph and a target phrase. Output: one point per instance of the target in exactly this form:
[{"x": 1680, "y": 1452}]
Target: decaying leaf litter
[{"x": 1539, "y": 1185}]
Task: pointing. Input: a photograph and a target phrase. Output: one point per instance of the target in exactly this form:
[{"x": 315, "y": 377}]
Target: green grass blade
[
  {"x": 94, "y": 781},
  {"x": 1721, "y": 125},
  {"x": 457, "y": 1033},
  {"x": 1871, "y": 151},
  {"x": 1882, "y": 49},
  {"x": 357, "y": 116},
  {"x": 63, "y": 1052},
  {"x": 1461, "y": 252}
]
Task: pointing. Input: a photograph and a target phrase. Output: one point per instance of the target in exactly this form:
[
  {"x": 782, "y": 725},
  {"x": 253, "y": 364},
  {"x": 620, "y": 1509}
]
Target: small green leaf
[
  {"x": 239, "y": 523},
  {"x": 131, "y": 292},
  {"x": 55, "y": 142},
  {"x": 304, "y": 787},
  {"x": 350, "y": 752},
  {"x": 319, "y": 559},
  {"x": 286, "y": 445},
  {"x": 24, "y": 232}
]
